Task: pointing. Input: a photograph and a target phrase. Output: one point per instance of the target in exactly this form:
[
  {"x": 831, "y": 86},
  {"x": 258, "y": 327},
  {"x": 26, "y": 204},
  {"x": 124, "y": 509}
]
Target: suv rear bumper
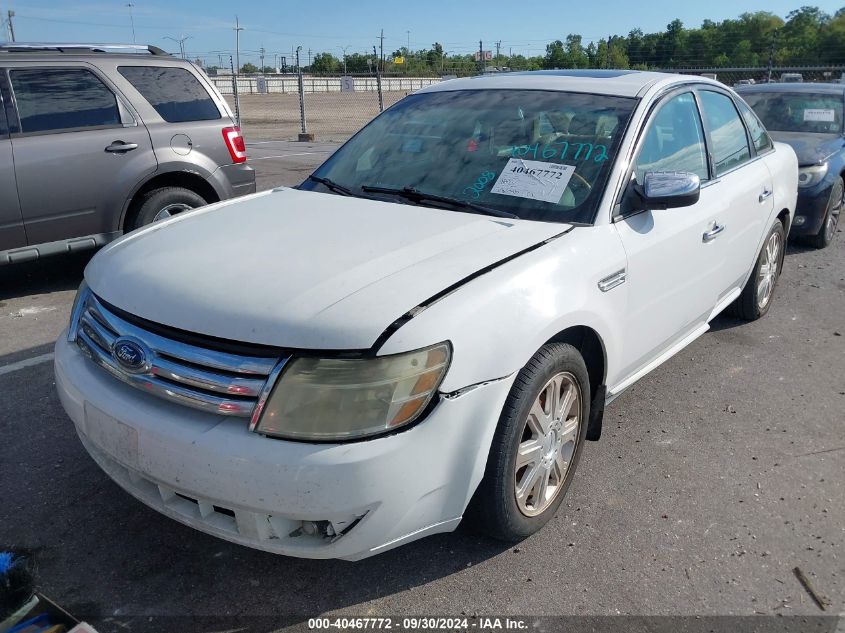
[
  {"x": 234, "y": 180},
  {"x": 211, "y": 473}
]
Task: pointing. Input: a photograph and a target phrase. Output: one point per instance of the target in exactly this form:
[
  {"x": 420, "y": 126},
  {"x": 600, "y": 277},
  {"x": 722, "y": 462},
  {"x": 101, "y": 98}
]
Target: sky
[{"x": 334, "y": 25}]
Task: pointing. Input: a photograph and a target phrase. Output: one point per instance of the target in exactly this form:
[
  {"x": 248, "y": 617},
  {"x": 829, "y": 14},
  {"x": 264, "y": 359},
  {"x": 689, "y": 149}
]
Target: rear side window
[
  {"x": 759, "y": 136},
  {"x": 56, "y": 99},
  {"x": 175, "y": 93},
  {"x": 727, "y": 133}
]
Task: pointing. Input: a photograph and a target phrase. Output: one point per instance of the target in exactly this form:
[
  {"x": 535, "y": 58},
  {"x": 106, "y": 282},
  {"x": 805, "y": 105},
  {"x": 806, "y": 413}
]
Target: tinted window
[
  {"x": 541, "y": 155},
  {"x": 759, "y": 136},
  {"x": 798, "y": 111},
  {"x": 175, "y": 93},
  {"x": 727, "y": 133},
  {"x": 51, "y": 99},
  {"x": 674, "y": 140}
]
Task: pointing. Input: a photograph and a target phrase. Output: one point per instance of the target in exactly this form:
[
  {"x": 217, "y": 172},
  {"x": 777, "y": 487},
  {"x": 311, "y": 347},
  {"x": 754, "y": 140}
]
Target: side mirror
[{"x": 667, "y": 190}]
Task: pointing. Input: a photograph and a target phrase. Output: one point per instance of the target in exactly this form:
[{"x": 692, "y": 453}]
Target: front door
[
  {"x": 78, "y": 155},
  {"x": 673, "y": 270}
]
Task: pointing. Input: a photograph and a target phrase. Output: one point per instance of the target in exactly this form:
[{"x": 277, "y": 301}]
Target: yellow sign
[{"x": 398, "y": 60}]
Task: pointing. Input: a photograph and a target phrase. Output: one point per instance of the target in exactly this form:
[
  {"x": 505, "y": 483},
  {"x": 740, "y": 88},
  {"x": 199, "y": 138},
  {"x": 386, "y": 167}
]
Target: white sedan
[{"x": 429, "y": 328}]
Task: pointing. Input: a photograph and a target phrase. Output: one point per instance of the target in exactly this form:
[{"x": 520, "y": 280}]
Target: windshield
[
  {"x": 798, "y": 111},
  {"x": 538, "y": 155}
]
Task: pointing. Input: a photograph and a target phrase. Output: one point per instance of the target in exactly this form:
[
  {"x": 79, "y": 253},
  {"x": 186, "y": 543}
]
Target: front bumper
[
  {"x": 211, "y": 473},
  {"x": 809, "y": 211}
]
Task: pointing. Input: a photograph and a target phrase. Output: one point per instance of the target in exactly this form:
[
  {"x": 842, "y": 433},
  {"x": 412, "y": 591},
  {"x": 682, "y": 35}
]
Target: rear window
[
  {"x": 175, "y": 93},
  {"x": 53, "y": 100}
]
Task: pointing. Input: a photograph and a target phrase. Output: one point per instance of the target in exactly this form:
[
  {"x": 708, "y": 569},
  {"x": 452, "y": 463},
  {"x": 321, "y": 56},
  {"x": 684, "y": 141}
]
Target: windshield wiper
[
  {"x": 331, "y": 184},
  {"x": 418, "y": 196}
]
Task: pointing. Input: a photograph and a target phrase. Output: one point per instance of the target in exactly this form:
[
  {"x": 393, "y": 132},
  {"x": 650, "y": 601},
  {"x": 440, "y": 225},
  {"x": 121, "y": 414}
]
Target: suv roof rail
[{"x": 28, "y": 47}]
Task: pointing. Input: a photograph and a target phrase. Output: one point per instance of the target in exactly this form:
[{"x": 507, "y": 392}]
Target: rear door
[
  {"x": 745, "y": 184},
  {"x": 79, "y": 152},
  {"x": 12, "y": 234}
]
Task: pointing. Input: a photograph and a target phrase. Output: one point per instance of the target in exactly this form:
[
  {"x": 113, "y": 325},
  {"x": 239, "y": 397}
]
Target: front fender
[{"x": 496, "y": 322}]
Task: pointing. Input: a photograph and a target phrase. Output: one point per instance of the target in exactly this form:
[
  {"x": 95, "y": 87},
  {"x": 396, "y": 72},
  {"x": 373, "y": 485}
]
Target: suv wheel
[
  {"x": 160, "y": 204},
  {"x": 756, "y": 297},
  {"x": 536, "y": 446}
]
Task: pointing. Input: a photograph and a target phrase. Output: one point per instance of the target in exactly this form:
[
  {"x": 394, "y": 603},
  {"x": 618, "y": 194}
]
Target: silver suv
[{"x": 95, "y": 143}]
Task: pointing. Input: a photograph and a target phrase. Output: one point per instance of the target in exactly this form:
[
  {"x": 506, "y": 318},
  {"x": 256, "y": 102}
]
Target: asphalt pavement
[{"x": 716, "y": 476}]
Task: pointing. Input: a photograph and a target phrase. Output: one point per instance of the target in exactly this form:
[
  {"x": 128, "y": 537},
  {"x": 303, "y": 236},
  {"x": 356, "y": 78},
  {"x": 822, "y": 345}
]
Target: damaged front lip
[{"x": 451, "y": 395}]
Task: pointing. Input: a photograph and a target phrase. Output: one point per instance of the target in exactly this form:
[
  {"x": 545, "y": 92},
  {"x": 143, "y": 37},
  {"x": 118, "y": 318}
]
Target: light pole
[
  {"x": 181, "y": 42},
  {"x": 131, "y": 20},
  {"x": 343, "y": 48}
]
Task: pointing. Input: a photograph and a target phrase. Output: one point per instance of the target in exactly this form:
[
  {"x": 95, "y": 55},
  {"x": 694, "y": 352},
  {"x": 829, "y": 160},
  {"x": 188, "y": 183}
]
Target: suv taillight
[{"x": 235, "y": 142}]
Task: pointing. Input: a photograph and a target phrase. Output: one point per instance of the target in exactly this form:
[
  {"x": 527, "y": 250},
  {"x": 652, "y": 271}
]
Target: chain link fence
[{"x": 334, "y": 108}]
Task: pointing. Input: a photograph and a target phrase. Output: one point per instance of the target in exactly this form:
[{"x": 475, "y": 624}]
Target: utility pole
[
  {"x": 10, "y": 15},
  {"x": 131, "y": 20},
  {"x": 381, "y": 47},
  {"x": 481, "y": 63},
  {"x": 261, "y": 54},
  {"x": 498, "y": 46},
  {"x": 238, "y": 29},
  {"x": 309, "y": 59}
]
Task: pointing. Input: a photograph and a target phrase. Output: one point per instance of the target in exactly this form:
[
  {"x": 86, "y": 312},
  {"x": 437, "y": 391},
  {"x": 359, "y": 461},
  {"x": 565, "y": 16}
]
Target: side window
[
  {"x": 56, "y": 99},
  {"x": 4, "y": 130},
  {"x": 175, "y": 93},
  {"x": 674, "y": 140},
  {"x": 759, "y": 136},
  {"x": 727, "y": 133}
]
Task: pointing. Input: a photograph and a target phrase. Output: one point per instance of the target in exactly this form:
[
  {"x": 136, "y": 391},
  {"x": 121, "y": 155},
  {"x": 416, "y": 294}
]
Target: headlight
[
  {"x": 338, "y": 399},
  {"x": 76, "y": 311},
  {"x": 809, "y": 176}
]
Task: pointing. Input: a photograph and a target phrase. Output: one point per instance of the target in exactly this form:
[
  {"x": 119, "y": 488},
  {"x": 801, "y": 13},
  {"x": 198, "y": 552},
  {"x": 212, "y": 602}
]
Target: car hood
[
  {"x": 811, "y": 149},
  {"x": 300, "y": 269}
]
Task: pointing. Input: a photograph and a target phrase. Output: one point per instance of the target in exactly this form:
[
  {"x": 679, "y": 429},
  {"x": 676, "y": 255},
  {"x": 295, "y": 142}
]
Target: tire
[
  {"x": 495, "y": 509},
  {"x": 824, "y": 237},
  {"x": 750, "y": 306},
  {"x": 169, "y": 200}
]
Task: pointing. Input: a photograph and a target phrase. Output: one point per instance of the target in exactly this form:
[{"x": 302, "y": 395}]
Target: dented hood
[{"x": 300, "y": 269}]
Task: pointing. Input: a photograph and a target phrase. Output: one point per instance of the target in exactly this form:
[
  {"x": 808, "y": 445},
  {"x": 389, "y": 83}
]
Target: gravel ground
[
  {"x": 329, "y": 116},
  {"x": 717, "y": 475}
]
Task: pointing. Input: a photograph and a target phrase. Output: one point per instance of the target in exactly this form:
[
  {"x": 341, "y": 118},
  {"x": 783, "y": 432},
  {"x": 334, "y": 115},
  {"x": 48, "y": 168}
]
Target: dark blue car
[{"x": 809, "y": 118}]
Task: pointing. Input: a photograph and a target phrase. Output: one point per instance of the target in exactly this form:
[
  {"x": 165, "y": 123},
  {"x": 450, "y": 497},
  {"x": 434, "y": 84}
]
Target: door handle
[
  {"x": 119, "y": 147},
  {"x": 713, "y": 233},
  {"x": 767, "y": 193}
]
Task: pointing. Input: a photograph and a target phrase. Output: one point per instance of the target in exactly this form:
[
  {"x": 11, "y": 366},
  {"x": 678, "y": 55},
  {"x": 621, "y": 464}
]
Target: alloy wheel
[
  {"x": 547, "y": 444},
  {"x": 171, "y": 210},
  {"x": 768, "y": 273}
]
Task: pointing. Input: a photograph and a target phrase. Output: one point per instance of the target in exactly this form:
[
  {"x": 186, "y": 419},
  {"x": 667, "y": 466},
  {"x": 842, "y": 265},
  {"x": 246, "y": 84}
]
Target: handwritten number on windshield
[{"x": 479, "y": 185}]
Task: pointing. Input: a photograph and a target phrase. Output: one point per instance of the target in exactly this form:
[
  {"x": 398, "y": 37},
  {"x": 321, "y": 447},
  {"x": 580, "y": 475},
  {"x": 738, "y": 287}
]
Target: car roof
[
  {"x": 622, "y": 83},
  {"x": 793, "y": 87}
]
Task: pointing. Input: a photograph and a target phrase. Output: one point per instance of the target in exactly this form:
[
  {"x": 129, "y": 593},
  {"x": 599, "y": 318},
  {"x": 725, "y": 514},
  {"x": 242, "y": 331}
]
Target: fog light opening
[
  {"x": 326, "y": 529},
  {"x": 799, "y": 220}
]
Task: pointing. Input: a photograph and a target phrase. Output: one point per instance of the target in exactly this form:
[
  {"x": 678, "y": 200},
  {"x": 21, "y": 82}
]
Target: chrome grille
[{"x": 198, "y": 377}]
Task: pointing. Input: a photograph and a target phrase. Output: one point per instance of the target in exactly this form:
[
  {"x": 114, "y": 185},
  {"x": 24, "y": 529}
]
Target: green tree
[
  {"x": 249, "y": 68},
  {"x": 326, "y": 63}
]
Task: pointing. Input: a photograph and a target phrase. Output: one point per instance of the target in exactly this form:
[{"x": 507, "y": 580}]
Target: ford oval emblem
[{"x": 131, "y": 355}]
